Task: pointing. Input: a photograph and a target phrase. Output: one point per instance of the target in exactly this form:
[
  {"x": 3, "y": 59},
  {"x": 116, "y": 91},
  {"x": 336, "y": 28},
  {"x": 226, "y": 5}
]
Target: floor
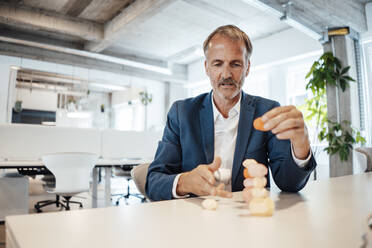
[{"x": 118, "y": 186}]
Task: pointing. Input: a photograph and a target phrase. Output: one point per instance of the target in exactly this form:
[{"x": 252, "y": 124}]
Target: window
[
  {"x": 296, "y": 83},
  {"x": 129, "y": 116},
  {"x": 200, "y": 88},
  {"x": 367, "y": 57},
  {"x": 257, "y": 84}
]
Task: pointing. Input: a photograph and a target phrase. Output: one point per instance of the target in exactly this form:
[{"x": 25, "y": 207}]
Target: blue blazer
[{"x": 188, "y": 141}]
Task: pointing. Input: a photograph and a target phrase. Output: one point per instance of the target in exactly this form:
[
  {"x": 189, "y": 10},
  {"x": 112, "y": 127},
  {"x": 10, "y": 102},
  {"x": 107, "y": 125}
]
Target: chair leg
[
  {"x": 58, "y": 203},
  {"x": 128, "y": 189},
  {"x": 128, "y": 194},
  {"x": 76, "y": 202},
  {"x": 118, "y": 200},
  {"x": 68, "y": 201},
  {"x": 42, "y": 204},
  {"x": 64, "y": 206}
]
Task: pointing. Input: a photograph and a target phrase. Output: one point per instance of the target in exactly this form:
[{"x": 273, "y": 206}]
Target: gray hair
[{"x": 232, "y": 32}]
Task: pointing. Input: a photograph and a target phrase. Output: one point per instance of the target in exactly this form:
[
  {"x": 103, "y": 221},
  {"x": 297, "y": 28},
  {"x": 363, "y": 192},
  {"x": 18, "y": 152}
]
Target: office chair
[
  {"x": 125, "y": 172},
  {"x": 364, "y": 157},
  {"x": 139, "y": 175},
  {"x": 72, "y": 175}
]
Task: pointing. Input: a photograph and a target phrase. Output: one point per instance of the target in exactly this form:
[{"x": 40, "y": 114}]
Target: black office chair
[{"x": 125, "y": 172}]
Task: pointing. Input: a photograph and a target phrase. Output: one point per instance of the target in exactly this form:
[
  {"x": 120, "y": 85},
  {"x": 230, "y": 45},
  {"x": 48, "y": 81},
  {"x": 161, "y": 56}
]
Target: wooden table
[{"x": 329, "y": 213}]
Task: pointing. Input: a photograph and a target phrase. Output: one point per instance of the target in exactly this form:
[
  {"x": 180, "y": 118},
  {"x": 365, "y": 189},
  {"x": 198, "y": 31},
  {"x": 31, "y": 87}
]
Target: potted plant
[
  {"x": 146, "y": 99},
  {"x": 18, "y": 106},
  {"x": 341, "y": 137}
]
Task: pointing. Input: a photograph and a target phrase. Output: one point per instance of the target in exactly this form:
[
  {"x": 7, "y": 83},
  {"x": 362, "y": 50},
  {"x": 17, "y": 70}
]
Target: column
[{"x": 342, "y": 105}]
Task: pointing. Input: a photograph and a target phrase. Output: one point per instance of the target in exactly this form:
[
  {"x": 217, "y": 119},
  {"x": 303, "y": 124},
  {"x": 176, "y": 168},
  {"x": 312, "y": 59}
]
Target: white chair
[
  {"x": 364, "y": 158},
  {"x": 72, "y": 173},
  {"x": 139, "y": 175}
]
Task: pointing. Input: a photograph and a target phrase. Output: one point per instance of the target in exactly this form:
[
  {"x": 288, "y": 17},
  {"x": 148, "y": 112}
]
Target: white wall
[
  {"x": 283, "y": 45},
  {"x": 196, "y": 72},
  {"x": 177, "y": 92}
]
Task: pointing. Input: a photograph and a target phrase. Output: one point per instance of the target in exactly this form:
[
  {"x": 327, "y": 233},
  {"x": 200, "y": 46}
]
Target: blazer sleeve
[
  {"x": 287, "y": 175},
  {"x": 168, "y": 160}
]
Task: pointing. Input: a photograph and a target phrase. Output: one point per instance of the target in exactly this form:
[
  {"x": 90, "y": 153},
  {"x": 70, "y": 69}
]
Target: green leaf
[
  {"x": 349, "y": 78},
  {"x": 343, "y": 84},
  {"x": 345, "y": 70}
]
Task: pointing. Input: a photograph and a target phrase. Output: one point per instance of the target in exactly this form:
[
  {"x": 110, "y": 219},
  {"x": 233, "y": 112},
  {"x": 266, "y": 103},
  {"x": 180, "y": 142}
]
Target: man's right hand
[{"x": 200, "y": 181}]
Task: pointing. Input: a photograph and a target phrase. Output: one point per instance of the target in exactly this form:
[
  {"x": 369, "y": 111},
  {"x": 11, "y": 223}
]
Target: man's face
[{"x": 226, "y": 66}]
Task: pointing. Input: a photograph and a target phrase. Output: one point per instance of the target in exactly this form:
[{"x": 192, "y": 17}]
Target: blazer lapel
[
  {"x": 244, "y": 132},
  {"x": 207, "y": 128}
]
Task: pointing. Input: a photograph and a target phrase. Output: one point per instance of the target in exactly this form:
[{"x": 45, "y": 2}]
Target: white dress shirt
[{"x": 225, "y": 132}]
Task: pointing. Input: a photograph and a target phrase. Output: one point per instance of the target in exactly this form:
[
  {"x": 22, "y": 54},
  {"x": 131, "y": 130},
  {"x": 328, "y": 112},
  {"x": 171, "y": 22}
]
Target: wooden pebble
[
  {"x": 259, "y": 193},
  {"x": 210, "y": 204},
  {"x": 261, "y": 207},
  {"x": 248, "y": 162},
  {"x": 247, "y": 195},
  {"x": 246, "y": 173},
  {"x": 259, "y": 182},
  {"x": 248, "y": 183},
  {"x": 259, "y": 124},
  {"x": 257, "y": 170},
  {"x": 222, "y": 175},
  {"x": 254, "y": 193}
]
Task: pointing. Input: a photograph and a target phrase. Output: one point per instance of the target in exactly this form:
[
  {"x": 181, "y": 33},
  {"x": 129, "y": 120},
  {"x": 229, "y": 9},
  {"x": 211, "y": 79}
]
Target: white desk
[
  {"x": 328, "y": 213},
  {"x": 106, "y": 163}
]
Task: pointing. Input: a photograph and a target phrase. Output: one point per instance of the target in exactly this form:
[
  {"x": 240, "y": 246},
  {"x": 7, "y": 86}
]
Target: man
[{"x": 219, "y": 125}]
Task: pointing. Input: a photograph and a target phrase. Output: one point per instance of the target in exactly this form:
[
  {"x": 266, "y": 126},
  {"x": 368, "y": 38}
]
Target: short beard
[{"x": 231, "y": 81}]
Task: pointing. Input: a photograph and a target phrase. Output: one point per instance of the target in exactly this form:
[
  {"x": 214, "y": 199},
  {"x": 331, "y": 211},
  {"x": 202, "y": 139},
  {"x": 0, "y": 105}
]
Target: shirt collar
[{"x": 235, "y": 110}]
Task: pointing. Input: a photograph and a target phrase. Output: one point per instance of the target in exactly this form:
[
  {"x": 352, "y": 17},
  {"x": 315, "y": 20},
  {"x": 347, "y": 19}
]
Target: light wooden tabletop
[
  {"x": 100, "y": 162},
  {"x": 328, "y": 213}
]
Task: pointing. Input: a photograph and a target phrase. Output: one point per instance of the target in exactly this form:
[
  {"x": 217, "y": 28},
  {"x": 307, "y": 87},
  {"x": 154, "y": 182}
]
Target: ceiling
[{"x": 150, "y": 38}]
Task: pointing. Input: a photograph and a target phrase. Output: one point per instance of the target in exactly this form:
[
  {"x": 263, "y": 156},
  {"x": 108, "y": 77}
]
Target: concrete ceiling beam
[
  {"x": 320, "y": 14},
  {"x": 35, "y": 19},
  {"x": 139, "y": 11}
]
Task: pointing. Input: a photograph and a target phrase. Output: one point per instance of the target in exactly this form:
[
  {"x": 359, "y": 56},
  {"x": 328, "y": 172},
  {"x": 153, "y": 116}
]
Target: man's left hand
[{"x": 287, "y": 122}]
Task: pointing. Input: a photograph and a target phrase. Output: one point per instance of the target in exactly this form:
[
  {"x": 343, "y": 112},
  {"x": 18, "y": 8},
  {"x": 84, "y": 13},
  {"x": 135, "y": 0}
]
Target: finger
[
  {"x": 206, "y": 189},
  {"x": 215, "y": 165},
  {"x": 290, "y": 134},
  {"x": 223, "y": 193},
  {"x": 276, "y": 111},
  {"x": 221, "y": 186},
  {"x": 205, "y": 173},
  {"x": 288, "y": 124},
  {"x": 277, "y": 120},
  {"x": 257, "y": 170}
]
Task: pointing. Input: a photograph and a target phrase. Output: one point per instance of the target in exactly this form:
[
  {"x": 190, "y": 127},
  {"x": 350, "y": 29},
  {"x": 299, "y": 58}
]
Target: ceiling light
[
  {"x": 109, "y": 86},
  {"x": 338, "y": 31},
  {"x": 162, "y": 70}
]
